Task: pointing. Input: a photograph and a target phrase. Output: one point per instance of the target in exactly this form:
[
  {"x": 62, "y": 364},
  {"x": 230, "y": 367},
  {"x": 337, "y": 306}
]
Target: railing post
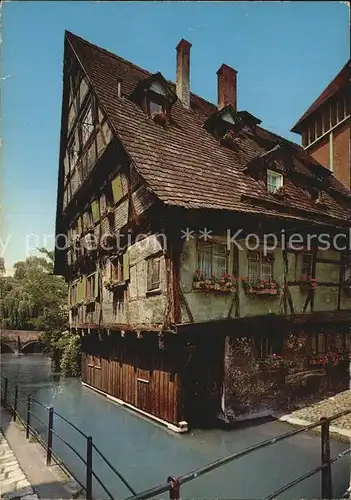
[
  {"x": 4, "y": 398},
  {"x": 174, "y": 490},
  {"x": 28, "y": 417},
  {"x": 15, "y": 404},
  {"x": 49, "y": 446},
  {"x": 89, "y": 478},
  {"x": 326, "y": 476}
]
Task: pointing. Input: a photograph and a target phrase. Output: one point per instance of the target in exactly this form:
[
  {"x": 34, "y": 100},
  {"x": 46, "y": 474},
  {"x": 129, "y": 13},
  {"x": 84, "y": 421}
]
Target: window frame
[
  {"x": 310, "y": 256},
  {"x": 155, "y": 98},
  {"x": 213, "y": 257},
  {"x": 261, "y": 260},
  {"x": 153, "y": 286},
  {"x": 116, "y": 269},
  {"x": 90, "y": 280},
  {"x": 275, "y": 175}
]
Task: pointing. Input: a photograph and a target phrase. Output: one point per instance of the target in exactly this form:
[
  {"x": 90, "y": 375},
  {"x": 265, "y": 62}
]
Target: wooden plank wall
[{"x": 136, "y": 371}]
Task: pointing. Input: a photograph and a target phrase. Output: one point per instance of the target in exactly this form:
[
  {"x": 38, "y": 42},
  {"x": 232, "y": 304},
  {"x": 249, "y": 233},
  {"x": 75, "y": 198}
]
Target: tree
[{"x": 34, "y": 298}]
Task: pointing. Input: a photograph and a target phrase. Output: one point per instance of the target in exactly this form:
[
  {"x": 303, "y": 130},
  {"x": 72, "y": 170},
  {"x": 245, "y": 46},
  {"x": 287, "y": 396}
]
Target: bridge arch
[
  {"x": 32, "y": 347},
  {"x": 5, "y": 348}
]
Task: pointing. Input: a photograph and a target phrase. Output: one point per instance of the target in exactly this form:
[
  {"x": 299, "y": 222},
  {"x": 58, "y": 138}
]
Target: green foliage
[
  {"x": 35, "y": 299},
  {"x": 70, "y": 346}
]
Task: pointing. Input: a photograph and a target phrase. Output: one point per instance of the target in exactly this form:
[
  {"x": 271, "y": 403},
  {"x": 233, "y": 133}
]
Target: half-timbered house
[{"x": 160, "y": 196}]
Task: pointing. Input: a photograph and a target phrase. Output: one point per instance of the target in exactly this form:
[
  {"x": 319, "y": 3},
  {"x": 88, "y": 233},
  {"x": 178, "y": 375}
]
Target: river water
[{"x": 146, "y": 453}]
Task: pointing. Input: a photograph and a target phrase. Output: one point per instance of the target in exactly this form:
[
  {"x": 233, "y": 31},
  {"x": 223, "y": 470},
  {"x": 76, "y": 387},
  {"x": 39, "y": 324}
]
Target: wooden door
[{"x": 143, "y": 390}]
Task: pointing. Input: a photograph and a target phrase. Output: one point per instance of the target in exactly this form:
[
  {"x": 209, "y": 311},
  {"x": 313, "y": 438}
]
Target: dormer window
[
  {"x": 154, "y": 96},
  {"x": 274, "y": 181},
  {"x": 155, "y": 104}
]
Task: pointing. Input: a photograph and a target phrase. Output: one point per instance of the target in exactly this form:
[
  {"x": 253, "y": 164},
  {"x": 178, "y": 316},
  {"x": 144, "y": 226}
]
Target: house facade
[
  {"x": 325, "y": 127},
  {"x": 177, "y": 227}
]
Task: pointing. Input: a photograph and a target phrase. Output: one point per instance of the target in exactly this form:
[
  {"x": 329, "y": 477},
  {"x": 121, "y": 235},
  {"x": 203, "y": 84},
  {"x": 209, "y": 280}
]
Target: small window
[
  {"x": 73, "y": 298},
  {"x": 306, "y": 267},
  {"x": 268, "y": 344},
  {"x": 253, "y": 259},
  {"x": 260, "y": 267},
  {"x": 212, "y": 259},
  {"x": 274, "y": 181},
  {"x": 90, "y": 291},
  {"x": 117, "y": 269},
  {"x": 155, "y": 103},
  {"x": 318, "y": 343},
  {"x": 153, "y": 274}
]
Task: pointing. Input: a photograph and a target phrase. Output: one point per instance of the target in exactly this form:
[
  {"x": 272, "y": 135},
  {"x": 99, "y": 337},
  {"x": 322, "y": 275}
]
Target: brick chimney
[
  {"x": 183, "y": 72},
  {"x": 226, "y": 86}
]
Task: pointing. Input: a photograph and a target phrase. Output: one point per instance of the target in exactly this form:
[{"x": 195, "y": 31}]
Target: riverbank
[
  {"x": 339, "y": 428},
  {"x": 24, "y": 473}
]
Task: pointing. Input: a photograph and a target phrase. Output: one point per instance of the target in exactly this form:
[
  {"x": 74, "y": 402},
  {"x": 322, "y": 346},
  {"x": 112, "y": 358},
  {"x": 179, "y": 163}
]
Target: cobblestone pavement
[
  {"x": 327, "y": 408},
  {"x": 13, "y": 482}
]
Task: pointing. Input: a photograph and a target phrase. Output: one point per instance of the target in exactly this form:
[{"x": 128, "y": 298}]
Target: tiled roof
[
  {"x": 183, "y": 164},
  {"x": 339, "y": 82}
]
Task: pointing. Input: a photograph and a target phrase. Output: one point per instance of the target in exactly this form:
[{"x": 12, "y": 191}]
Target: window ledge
[{"x": 156, "y": 291}]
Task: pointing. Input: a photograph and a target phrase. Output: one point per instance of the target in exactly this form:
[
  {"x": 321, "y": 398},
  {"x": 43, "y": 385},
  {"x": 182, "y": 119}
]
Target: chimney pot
[
  {"x": 183, "y": 72},
  {"x": 226, "y": 87}
]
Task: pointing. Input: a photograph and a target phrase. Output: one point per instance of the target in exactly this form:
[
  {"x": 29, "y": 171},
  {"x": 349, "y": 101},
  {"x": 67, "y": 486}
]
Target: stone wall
[{"x": 252, "y": 388}]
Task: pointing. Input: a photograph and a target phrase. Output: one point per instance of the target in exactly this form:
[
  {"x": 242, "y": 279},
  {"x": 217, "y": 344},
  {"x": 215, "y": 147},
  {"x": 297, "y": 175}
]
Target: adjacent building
[
  {"x": 187, "y": 309},
  {"x": 325, "y": 127}
]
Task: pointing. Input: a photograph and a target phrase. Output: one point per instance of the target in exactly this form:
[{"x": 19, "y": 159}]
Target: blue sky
[{"x": 285, "y": 54}]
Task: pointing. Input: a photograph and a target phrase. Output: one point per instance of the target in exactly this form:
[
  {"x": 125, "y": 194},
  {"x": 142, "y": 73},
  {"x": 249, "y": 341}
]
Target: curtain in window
[{"x": 205, "y": 258}]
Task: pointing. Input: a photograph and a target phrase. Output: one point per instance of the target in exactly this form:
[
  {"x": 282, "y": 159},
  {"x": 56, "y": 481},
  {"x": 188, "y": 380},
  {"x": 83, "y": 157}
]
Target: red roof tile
[
  {"x": 183, "y": 164},
  {"x": 339, "y": 82}
]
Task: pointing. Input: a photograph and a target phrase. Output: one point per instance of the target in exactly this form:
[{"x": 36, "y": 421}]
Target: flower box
[
  {"x": 273, "y": 291},
  {"x": 224, "y": 284}
]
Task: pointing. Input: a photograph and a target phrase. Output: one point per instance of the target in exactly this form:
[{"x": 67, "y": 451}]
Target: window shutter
[
  {"x": 95, "y": 209},
  {"x": 117, "y": 190},
  {"x": 84, "y": 287},
  {"x": 126, "y": 266},
  {"x": 79, "y": 290},
  {"x": 70, "y": 295},
  {"x": 96, "y": 284}
]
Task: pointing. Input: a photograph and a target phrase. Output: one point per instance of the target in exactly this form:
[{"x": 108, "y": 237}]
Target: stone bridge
[{"x": 20, "y": 341}]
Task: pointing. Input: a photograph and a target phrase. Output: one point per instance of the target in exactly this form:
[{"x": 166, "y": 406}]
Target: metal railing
[
  {"x": 26, "y": 419},
  {"x": 173, "y": 483}
]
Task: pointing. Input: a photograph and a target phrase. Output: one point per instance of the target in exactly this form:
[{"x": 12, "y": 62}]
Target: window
[
  {"x": 274, "y": 181},
  {"x": 87, "y": 125},
  {"x": 117, "y": 269},
  {"x": 306, "y": 266},
  {"x": 260, "y": 266},
  {"x": 268, "y": 344},
  {"x": 153, "y": 274},
  {"x": 212, "y": 259},
  {"x": 73, "y": 298},
  {"x": 318, "y": 343},
  {"x": 155, "y": 103},
  {"x": 91, "y": 286}
]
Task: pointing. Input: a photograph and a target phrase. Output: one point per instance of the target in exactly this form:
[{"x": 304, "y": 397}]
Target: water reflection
[{"x": 147, "y": 454}]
